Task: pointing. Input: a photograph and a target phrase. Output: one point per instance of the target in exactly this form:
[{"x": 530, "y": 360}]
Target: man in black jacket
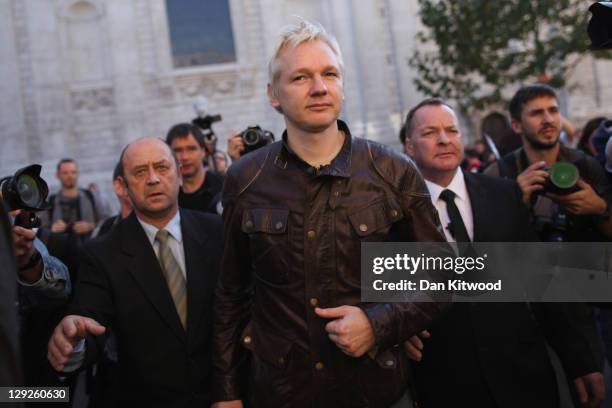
[
  {"x": 491, "y": 354},
  {"x": 295, "y": 214},
  {"x": 150, "y": 281}
]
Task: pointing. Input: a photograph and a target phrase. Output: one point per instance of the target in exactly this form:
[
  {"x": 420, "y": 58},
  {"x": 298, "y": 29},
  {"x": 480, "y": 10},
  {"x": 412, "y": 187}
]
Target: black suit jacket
[
  {"x": 494, "y": 354},
  {"x": 122, "y": 286}
]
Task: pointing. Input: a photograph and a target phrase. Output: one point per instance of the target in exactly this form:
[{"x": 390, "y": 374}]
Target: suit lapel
[
  {"x": 480, "y": 209},
  {"x": 197, "y": 265},
  {"x": 145, "y": 269}
]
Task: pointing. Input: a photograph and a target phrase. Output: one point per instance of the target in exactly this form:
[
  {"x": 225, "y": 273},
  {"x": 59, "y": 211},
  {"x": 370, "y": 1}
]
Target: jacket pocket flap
[
  {"x": 268, "y": 220},
  {"x": 271, "y": 347},
  {"x": 374, "y": 217}
]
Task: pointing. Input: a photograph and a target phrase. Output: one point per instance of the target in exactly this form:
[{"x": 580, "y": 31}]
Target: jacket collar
[{"x": 339, "y": 166}]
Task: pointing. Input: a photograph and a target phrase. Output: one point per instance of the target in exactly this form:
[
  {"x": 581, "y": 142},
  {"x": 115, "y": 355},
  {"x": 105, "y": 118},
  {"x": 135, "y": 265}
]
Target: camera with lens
[
  {"x": 255, "y": 137},
  {"x": 562, "y": 179},
  {"x": 27, "y": 191}
]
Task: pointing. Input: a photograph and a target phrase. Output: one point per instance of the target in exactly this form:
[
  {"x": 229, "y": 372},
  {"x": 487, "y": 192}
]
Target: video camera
[
  {"x": 204, "y": 121},
  {"x": 255, "y": 137},
  {"x": 27, "y": 191}
]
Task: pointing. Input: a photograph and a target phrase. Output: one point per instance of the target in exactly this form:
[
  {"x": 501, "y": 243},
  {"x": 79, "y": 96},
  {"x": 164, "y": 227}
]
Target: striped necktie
[{"x": 174, "y": 276}]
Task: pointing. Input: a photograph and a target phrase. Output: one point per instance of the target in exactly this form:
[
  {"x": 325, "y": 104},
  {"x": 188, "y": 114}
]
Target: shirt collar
[
  {"x": 173, "y": 227},
  {"x": 457, "y": 186},
  {"x": 339, "y": 166}
]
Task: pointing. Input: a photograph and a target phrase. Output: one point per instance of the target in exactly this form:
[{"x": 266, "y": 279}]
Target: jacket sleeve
[
  {"x": 393, "y": 323},
  {"x": 93, "y": 298},
  {"x": 232, "y": 304},
  {"x": 571, "y": 331}
]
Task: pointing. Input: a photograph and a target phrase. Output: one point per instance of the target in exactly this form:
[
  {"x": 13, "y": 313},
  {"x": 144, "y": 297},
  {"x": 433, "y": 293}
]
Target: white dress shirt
[
  {"x": 175, "y": 239},
  {"x": 462, "y": 201}
]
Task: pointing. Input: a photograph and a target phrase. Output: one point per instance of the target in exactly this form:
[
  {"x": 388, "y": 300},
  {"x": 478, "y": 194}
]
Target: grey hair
[{"x": 297, "y": 34}]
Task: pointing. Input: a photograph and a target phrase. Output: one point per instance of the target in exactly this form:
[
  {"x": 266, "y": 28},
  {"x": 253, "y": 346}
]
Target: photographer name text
[{"x": 426, "y": 285}]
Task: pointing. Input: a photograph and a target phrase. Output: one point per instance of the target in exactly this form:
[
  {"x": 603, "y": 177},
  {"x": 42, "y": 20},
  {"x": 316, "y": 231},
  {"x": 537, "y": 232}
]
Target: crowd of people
[{"x": 169, "y": 304}]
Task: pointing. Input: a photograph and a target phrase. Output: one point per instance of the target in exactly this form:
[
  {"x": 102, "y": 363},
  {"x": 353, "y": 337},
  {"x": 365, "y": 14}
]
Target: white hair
[{"x": 296, "y": 34}]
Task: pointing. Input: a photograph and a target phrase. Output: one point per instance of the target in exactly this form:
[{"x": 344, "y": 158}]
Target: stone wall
[{"x": 81, "y": 78}]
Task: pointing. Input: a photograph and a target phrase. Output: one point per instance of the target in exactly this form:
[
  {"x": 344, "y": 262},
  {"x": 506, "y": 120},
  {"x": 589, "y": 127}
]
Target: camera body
[
  {"x": 26, "y": 191},
  {"x": 255, "y": 137}
]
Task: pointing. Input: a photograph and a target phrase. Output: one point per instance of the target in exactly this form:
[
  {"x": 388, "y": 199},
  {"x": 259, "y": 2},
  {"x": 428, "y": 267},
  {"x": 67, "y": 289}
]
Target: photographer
[
  {"x": 42, "y": 281},
  {"x": 583, "y": 215},
  {"x": 252, "y": 138},
  {"x": 73, "y": 215},
  {"x": 201, "y": 189}
]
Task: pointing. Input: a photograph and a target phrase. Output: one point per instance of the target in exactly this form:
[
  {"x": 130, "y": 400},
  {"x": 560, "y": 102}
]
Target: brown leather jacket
[{"x": 292, "y": 242}]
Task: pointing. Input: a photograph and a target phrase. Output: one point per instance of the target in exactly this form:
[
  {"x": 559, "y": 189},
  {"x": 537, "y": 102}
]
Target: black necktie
[{"x": 456, "y": 226}]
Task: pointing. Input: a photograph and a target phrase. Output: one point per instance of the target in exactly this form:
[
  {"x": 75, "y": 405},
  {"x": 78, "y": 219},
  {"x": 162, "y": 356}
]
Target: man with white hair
[{"x": 295, "y": 214}]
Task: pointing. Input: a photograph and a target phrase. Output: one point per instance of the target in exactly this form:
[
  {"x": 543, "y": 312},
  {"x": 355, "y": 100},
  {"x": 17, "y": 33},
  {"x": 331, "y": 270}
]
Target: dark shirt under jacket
[
  {"x": 293, "y": 242},
  {"x": 206, "y": 198}
]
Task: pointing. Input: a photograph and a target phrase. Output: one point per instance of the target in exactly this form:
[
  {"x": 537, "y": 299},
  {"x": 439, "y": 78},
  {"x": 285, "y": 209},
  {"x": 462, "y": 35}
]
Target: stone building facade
[{"x": 81, "y": 78}]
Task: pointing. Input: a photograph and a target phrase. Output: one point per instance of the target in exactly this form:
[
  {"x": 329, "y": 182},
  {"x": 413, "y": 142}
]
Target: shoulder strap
[
  {"x": 51, "y": 200},
  {"x": 92, "y": 200},
  {"x": 510, "y": 165}
]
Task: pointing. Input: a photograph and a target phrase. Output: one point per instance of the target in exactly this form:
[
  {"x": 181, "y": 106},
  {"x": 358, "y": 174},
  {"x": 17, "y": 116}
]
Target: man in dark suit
[
  {"x": 150, "y": 281},
  {"x": 491, "y": 354}
]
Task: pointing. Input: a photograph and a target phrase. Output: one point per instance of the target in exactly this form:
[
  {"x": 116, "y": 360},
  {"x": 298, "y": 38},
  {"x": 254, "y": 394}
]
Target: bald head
[
  {"x": 150, "y": 174},
  {"x": 141, "y": 143}
]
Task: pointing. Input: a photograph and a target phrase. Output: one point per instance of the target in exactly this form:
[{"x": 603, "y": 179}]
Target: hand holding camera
[
  {"x": 250, "y": 139},
  {"x": 532, "y": 179},
  {"x": 23, "y": 193},
  {"x": 584, "y": 201},
  {"x": 25, "y": 252}
]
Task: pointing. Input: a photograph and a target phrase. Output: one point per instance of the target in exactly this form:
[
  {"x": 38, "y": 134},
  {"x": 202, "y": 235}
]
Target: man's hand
[
  {"x": 350, "y": 329},
  {"x": 532, "y": 179},
  {"x": 59, "y": 226},
  {"x": 235, "y": 146},
  {"x": 414, "y": 346},
  {"x": 67, "y": 334},
  {"x": 583, "y": 202},
  {"x": 24, "y": 245},
  {"x": 25, "y": 251},
  {"x": 83, "y": 227},
  {"x": 227, "y": 404},
  {"x": 591, "y": 390}
]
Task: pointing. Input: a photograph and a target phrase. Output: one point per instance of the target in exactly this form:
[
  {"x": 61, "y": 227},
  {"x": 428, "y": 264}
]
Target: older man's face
[
  {"x": 435, "y": 141},
  {"x": 151, "y": 178},
  {"x": 308, "y": 88}
]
